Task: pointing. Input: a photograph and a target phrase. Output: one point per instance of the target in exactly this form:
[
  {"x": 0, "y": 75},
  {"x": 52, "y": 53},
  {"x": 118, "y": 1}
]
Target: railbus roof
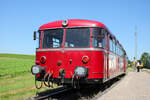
[{"x": 72, "y": 23}]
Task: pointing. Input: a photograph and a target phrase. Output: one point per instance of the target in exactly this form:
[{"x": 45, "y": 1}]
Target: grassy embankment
[{"x": 16, "y": 80}]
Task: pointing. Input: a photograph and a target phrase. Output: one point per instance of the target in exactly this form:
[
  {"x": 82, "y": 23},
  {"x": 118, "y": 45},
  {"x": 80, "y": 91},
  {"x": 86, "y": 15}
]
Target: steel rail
[{"x": 50, "y": 93}]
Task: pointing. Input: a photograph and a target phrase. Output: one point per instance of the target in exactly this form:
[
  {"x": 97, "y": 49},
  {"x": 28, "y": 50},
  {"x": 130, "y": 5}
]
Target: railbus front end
[{"x": 73, "y": 52}]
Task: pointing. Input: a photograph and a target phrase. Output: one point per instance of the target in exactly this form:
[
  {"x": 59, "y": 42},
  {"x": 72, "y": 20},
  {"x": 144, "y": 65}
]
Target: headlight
[
  {"x": 81, "y": 71},
  {"x": 36, "y": 69}
]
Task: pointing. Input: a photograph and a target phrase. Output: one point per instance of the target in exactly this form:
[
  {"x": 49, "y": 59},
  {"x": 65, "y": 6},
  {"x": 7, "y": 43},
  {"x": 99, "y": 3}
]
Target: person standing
[
  {"x": 138, "y": 66},
  {"x": 141, "y": 65}
]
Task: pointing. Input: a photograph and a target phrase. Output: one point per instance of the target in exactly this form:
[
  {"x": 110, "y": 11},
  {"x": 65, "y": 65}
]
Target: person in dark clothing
[{"x": 138, "y": 66}]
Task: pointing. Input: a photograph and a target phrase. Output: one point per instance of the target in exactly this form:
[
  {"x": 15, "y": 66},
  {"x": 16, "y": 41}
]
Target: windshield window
[
  {"x": 77, "y": 37},
  {"x": 97, "y": 37},
  {"x": 53, "y": 38}
]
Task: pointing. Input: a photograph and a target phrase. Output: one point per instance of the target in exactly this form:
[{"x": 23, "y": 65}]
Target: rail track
[
  {"x": 68, "y": 93},
  {"x": 48, "y": 94}
]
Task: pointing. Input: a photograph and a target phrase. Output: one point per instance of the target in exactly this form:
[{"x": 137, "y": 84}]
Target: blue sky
[{"x": 19, "y": 18}]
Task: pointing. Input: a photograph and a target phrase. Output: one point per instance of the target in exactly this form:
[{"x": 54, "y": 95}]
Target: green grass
[
  {"x": 16, "y": 80},
  {"x": 12, "y": 66}
]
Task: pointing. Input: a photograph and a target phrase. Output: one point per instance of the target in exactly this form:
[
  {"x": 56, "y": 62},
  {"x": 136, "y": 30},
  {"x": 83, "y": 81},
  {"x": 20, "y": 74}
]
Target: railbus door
[
  {"x": 105, "y": 56},
  {"x": 107, "y": 39}
]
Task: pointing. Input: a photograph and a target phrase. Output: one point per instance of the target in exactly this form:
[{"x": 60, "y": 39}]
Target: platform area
[{"x": 135, "y": 86}]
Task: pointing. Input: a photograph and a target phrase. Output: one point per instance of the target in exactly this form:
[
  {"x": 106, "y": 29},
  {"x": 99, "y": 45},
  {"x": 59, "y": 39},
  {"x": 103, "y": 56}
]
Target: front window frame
[
  {"x": 89, "y": 37},
  {"x": 53, "y": 39},
  {"x": 64, "y": 37}
]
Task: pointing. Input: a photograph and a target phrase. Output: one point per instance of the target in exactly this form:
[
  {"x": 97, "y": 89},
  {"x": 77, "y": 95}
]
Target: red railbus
[{"x": 75, "y": 51}]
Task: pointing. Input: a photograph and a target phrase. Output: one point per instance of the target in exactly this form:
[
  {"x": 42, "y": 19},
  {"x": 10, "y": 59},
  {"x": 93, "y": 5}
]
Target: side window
[
  {"x": 38, "y": 40},
  {"x": 117, "y": 49},
  {"x": 110, "y": 44},
  {"x": 113, "y": 46},
  {"x": 105, "y": 39},
  {"x": 98, "y": 37},
  {"x": 122, "y": 53}
]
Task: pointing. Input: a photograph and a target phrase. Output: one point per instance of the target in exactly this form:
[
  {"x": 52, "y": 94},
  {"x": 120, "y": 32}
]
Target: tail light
[
  {"x": 43, "y": 60},
  {"x": 85, "y": 59},
  {"x": 37, "y": 62}
]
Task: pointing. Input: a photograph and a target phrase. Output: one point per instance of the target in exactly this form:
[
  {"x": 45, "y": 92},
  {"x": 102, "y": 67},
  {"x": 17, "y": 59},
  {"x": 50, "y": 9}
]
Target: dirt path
[{"x": 135, "y": 86}]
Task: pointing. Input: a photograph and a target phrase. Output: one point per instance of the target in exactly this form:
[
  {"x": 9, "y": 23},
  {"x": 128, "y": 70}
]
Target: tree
[
  {"x": 144, "y": 57},
  {"x": 129, "y": 63}
]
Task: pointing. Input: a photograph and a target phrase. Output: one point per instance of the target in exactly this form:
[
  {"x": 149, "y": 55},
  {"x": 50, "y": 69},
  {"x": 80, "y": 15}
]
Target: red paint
[
  {"x": 72, "y": 23},
  {"x": 95, "y": 61}
]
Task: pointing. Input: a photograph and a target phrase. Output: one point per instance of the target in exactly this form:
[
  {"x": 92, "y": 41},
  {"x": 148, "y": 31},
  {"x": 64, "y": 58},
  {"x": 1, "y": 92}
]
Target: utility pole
[
  {"x": 135, "y": 46},
  {"x": 135, "y": 34}
]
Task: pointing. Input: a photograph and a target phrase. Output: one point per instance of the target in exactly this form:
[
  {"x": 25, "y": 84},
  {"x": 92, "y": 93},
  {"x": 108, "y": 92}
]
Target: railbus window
[
  {"x": 120, "y": 50},
  {"x": 117, "y": 49},
  {"x": 110, "y": 44},
  {"x": 113, "y": 43},
  {"x": 98, "y": 38},
  {"x": 38, "y": 39},
  {"x": 105, "y": 39},
  {"x": 53, "y": 38},
  {"x": 77, "y": 37}
]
